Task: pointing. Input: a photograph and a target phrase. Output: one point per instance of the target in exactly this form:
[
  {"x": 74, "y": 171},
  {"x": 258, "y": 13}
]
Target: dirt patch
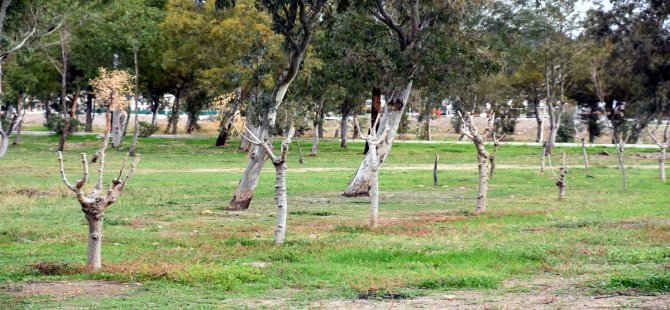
[{"x": 68, "y": 288}]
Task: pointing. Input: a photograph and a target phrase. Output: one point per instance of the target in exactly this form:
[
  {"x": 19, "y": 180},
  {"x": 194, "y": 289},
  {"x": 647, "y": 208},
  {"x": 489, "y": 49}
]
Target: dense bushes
[{"x": 56, "y": 123}]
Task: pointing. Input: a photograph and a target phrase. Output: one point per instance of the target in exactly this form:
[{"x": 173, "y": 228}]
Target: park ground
[{"x": 169, "y": 243}]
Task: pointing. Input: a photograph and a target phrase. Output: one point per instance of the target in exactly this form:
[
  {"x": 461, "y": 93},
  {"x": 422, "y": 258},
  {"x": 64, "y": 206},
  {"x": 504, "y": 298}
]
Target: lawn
[{"x": 169, "y": 242}]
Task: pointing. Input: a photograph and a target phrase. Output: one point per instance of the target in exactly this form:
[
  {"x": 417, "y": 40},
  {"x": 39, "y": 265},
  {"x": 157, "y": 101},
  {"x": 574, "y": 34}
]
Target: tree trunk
[
  {"x": 244, "y": 143},
  {"x": 94, "y": 241},
  {"x": 175, "y": 115},
  {"x": 89, "y": 113},
  {"x": 375, "y": 109},
  {"x": 539, "y": 118},
  {"x": 155, "y": 104},
  {"x": 619, "y": 154},
  {"x": 661, "y": 164},
  {"x": 543, "y": 157},
  {"x": 63, "y": 91},
  {"x": 482, "y": 158},
  {"x": 492, "y": 160},
  {"x": 322, "y": 116},
  {"x": 136, "y": 128},
  {"x": 282, "y": 203},
  {"x": 337, "y": 133},
  {"x": 429, "y": 134},
  {"x": 361, "y": 183},
  {"x": 343, "y": 129},
  {"x": 356, "y": 128},
  {"x": 374, "y": 187},
  {"x": 116, "y": 128},
  {"x": 4, "y": 142},
  {"x": 435, "y": 170},
  {"x": 226, "y": 124},
  {"x": 21, "y": 111},
  {"x": 585, "y": 154}
]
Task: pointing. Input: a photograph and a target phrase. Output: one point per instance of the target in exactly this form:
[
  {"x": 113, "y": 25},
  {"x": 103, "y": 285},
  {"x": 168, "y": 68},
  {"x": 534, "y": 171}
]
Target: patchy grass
[{"x": 169, "y": 230}]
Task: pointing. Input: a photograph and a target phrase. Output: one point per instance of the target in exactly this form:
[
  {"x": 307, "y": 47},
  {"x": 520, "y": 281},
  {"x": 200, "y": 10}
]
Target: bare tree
[
  {"x": 582, "y": 136},
  {"x": 561, "y": 181},
  {"x": 280, "y": 177},
  {"x": 469, "y": 130},
  {"x": 620, "y": 143},
  {"x": 318, "y": 124},
  {"x": 662, "y": 147}
]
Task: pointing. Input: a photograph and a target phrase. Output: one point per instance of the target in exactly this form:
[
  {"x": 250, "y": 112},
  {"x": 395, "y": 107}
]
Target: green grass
[{"x": 169, "y": 230}]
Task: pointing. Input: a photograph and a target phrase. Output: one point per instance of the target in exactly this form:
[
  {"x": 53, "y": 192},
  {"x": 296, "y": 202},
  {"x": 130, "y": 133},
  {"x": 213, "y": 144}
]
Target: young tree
[
  {"x": 111, "y": 89},
  {"x": 373, "y": 140},
  {"x": 662, "y": 144},
  {"x": 296, "y": 21},
  {"x": 469, "y": 129},
  {"x": 280, "y": 179},
  {"x": 561, "y": 181}
]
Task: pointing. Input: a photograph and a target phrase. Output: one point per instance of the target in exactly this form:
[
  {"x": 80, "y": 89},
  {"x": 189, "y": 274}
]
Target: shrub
[
  {"x": 147, "y": 129},
  {"x": 566, "y": 133},
  {"x": 56, "y": 123}
]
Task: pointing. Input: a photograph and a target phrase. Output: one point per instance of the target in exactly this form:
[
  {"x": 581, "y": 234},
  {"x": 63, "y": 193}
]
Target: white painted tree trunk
[
  {"x": 94, "y": 241},
  {"x": 661, "y": 164},
  {"x": 482, "y": 158},
  {"x": 361, "y": 183},
  {"x": 374, "y": 186},
  {"x": 282, "y": 202}
]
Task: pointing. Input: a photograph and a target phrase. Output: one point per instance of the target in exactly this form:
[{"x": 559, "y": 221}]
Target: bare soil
[{"x": 62, "y": 289}]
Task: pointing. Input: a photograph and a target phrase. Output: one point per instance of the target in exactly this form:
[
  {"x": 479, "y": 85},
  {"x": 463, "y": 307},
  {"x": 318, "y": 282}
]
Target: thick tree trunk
[
  {"x": 117, "y": 132},
  {"x": 94, "y": 241},
  {"x": 362, "y": 181},
  {"x": 375, "y": 109},
  {"x": 343, "y": 129},
  {"x": 282, "y": 202},
  {"x": 661, "y": 165},
  {"x": 89, "y": 113}
]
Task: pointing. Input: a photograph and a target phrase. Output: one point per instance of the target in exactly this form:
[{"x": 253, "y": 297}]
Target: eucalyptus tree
[
  {"x": 430, "y": 41},
  {"x": 296, "y": 21}
]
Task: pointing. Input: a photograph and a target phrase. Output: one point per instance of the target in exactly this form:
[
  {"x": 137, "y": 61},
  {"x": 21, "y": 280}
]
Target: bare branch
[{"x": 62, "y": 173}]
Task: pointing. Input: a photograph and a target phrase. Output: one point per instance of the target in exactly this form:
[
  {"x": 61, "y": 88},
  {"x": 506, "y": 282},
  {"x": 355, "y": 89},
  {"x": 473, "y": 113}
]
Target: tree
[
  {"x": 469, "y": 129},
  {"x": 561, "y": 181},
  {"x": 296, "y": 21},
  {"x": 110, "y": 88},
  {"x": 662, "y": 144}
]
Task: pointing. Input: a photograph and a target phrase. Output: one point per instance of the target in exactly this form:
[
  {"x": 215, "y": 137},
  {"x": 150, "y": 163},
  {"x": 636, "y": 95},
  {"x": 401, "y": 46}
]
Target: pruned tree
[
  {"x": 296, "y": 21},
  {"x": 582, "y": 136},
  {"x": 496, "y": 144},
  {"x": 373, "y": 140},
  {"x": 561, "y": 181},
  {"x": 111, "y": 89},
  {"x": 662, "y": 144},
  {"x": 280, "y": 177},
  {"x": 469, "y": 130}
]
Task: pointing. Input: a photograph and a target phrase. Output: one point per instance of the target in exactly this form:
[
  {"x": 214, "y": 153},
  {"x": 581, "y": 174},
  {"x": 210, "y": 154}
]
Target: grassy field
[{"x": 169, "y": 243}]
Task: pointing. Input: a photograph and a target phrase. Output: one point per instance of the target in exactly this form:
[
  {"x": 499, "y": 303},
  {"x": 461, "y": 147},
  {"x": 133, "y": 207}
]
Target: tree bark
[
  {"x": 620, "y": 147},
  {"x": 482, "y": 158},
  {"x": 362, "y": 181},
  {"x": 356, "y": 129},
  {"x": 116, "y": 128},
  {"x": 175, "y": 115},
  {"x": 136, "y": 128},
  {"x": 429, "y": 134},
  {"x": 661, "y": 164},
  {"x": 435, "y": 170},
  {"x": 94, "y": 241},
  {"x": 492, "y": 159},
  {"x": 227, "y": 123},
  {"x": 374, "y": 187},
  {"x": 344, "y": 121},
  {"x": 89, "y": 113},
  {"x": 4, "y": 142},
  {"x": 282, "y": 203},
  {"x": 585, "y": 154},
  {"x": 318, "y": 128},
  {"x": 375, "y": 109},
  {"x": 63, "y": 94},
  {"x": 539, "y": 118},
  {"x": 21, "y": 112}
]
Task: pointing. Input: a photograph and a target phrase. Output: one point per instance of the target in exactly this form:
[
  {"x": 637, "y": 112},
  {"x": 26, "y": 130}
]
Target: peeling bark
[{"x": 361, "y": 182}]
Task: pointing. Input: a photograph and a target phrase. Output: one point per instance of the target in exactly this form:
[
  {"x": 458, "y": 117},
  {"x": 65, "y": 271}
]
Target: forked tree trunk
[
  {"x": 94, "y": 241},
  {"x": 375, "y": 110},
  {"x": 362, "y": 181},
  {"x": 355, "y": 135},
  {"x": 343, "y": 129},
  {"x": 282, "y": 203}
]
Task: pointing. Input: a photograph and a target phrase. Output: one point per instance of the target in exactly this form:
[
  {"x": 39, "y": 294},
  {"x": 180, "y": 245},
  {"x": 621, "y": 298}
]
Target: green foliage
[
  {"x": 56, "y": 123},
  {"x": 147, "y": 129},
  {"x": 652, "y": 284},
  {"x": 566, "y": 132}
]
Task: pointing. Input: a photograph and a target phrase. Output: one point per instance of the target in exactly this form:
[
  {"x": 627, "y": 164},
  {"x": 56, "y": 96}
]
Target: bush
[
  {"x": 566, "y": 133},
  {"x": 56, "y": 123},
  {"x": 147, "y": 129}
]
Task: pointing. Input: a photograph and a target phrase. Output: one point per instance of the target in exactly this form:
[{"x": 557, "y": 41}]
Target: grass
[{"x": 169, "y": 230}]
